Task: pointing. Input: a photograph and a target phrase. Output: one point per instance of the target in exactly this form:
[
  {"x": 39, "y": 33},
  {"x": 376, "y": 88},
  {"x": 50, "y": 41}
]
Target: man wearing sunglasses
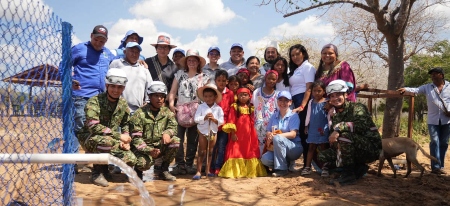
[
  {"x": 107, "y": 128},
  {"x": 154, "y": 129}
]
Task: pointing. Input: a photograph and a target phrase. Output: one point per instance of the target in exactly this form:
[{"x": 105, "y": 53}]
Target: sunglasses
[
  {"x": 335, "y": 88},
  {"x": 117, "y": 80},
  {"x": 157, "y": 89},
  {"x": 214, "y": 53}
]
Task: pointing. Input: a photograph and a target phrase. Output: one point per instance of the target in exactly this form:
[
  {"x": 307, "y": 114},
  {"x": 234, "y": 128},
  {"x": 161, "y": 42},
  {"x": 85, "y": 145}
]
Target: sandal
[
  {"x": 197, "y": 177},
  {"x": 211, "y": 175},
  {"x": 306, "y": 171},
  {"x": 325, "y": 172}
]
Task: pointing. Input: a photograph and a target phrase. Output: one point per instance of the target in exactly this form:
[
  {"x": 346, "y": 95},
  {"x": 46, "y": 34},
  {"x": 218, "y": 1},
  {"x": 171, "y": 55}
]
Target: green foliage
[
  {"x": 419, "y": 133},
  {"x": 416, "y": 74}
]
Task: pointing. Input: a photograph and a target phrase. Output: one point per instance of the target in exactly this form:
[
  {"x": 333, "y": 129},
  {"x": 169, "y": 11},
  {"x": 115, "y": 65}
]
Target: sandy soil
[
  {"x": 44, "y": 180},
  {"x": 289, "y": 190}
]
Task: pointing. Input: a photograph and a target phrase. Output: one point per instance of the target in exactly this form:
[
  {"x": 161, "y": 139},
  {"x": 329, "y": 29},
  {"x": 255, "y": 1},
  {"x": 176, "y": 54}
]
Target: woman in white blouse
[{"x": 301, "y": 78}]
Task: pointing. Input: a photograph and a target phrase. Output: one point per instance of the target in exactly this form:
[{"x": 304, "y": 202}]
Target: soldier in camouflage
[
  {"x": 355, "y": 140},
  {"x": 106, "y": 128},
  {"x": 153, "y": 130}
]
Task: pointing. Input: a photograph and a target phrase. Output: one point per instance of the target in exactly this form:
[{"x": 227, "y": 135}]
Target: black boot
[
  {"x": 106, "y": 173},
  {"x": 347, "y": 176},
  {"x": 139, "y": 173},
  {"x": 361, "y": 170},
  {"x": 164, "y": 173},
  {"x": 97, "y": 176}
]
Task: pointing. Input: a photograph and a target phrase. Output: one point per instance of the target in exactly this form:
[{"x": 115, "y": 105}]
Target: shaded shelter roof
[{"x": 42, "y": 75}]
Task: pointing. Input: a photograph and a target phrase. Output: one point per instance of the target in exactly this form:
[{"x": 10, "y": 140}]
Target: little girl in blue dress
[{"x": 316, "y": 125}]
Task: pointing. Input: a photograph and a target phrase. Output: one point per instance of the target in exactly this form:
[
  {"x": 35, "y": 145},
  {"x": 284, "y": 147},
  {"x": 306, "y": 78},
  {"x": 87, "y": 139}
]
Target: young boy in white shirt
[{"x": 209, "y": 116}]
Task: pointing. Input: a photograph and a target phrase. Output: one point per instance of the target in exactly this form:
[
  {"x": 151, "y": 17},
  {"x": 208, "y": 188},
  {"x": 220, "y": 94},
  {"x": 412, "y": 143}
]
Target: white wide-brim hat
[
  {"x": 192, "y": 53},
  {"x": 212, "y": 86}
]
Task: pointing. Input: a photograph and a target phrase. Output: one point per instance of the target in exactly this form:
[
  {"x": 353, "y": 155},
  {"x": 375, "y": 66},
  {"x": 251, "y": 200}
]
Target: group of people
[{"x": 242, "y": 119}]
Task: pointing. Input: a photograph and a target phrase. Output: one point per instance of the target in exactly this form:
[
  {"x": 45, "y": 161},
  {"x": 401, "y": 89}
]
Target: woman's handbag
[{"x": 186, "y": 113}]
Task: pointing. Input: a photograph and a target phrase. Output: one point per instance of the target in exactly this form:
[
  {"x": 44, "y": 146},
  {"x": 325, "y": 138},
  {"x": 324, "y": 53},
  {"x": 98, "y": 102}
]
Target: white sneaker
[{"x": 306, "y": 171}]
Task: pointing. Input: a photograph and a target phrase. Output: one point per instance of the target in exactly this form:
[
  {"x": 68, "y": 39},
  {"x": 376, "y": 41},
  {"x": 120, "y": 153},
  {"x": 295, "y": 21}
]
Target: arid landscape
[
  {"x": 43, "y": 182},
  {"x": 289, "y": 190}
]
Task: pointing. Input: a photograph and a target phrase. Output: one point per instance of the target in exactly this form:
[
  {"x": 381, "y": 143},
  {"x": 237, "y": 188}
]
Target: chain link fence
[{"x": 35, "y": 103}]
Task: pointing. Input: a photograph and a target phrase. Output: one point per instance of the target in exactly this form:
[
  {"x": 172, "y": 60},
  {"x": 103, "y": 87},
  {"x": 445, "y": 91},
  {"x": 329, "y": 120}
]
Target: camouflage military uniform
[
  {"x": 147, "y": 131},
  {"x": 359, "y": 141},
  {"x": 100, "y": 133}
]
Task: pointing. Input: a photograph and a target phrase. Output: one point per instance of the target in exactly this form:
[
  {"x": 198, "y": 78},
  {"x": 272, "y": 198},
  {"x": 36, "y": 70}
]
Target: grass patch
[{"x": 420, "y": 129}]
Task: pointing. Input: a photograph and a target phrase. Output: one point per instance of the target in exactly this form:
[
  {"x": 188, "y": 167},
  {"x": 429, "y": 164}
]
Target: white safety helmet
[
  {"x": 157, "y": 87},
  {"x": 337, "y": 85},
  {"x": 116, "y": 76}
]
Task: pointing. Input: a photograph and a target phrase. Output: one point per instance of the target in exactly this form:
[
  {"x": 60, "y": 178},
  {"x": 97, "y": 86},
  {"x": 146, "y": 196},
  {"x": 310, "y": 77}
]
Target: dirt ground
[{"x": 292, "y": 189}]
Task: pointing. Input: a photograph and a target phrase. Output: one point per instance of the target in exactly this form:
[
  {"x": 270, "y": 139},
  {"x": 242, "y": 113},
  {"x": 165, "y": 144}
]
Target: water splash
[
  {"x": 182, "y": 196},
  {"x": 134, "y": 179}
]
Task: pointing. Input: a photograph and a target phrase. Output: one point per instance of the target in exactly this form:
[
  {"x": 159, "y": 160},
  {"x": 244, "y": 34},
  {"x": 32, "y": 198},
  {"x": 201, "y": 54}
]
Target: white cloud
[
  {"x": 144, "y": 27},
  {"x": 29, "y": 11},
  {"x": 311, "y": 27},
  {"x": 441, "y": 10},
  {"x": 192, "y": 14},
  {"x": 151, "y": 33},
  {"x": 200, "y": 43}
]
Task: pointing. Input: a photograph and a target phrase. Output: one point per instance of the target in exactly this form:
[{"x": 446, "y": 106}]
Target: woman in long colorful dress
[
  {"x": 242, "y": 153},
  {"x": 265, "y": 102}
]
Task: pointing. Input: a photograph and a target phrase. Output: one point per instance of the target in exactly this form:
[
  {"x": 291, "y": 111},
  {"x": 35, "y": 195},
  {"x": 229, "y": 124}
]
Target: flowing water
[{"x": 134, "y": 179}]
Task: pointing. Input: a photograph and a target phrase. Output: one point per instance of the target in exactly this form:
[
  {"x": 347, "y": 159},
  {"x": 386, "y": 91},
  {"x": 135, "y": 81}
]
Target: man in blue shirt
[
  {"x": 90, "y": 63},
  {"x": 438, "y": 99}
]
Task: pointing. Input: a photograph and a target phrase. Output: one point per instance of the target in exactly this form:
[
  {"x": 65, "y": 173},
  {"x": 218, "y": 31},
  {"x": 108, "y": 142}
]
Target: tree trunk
[{"x": 395, "y": 81}]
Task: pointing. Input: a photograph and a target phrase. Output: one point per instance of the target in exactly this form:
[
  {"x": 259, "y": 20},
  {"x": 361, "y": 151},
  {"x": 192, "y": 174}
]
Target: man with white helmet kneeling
[
  {"x": 354, "y": 139},
  {"x": 153, "y": 128},
  {"x": 106, "y": 128}
]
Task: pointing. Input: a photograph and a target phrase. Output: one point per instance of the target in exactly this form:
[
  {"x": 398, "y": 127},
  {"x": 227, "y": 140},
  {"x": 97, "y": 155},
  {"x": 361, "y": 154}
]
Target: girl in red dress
[{"x": 242, "y": 157}]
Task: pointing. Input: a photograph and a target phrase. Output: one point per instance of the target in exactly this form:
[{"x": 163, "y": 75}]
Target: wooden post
[{"x": 410, "y": 116}]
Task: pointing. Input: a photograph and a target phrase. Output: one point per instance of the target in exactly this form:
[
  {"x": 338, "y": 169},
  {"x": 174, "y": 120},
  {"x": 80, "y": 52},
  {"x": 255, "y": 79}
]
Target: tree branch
[
  {"x": 385, "y": 7},
  {"x": 321, "y": 4}
]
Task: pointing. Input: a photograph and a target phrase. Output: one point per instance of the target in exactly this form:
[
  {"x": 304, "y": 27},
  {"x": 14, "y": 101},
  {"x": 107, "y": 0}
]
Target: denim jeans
[
  {"x": 219, "y": 150},
  {"x": 297, "y": 100},
  {"x": 284, "y": 151},
  {"x": 79, "y": 116},
  {"x": 191, "y": 145},
  {"x": 439, "y": 136}
]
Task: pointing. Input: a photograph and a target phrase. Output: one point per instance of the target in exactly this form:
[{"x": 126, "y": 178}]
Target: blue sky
[{"x": 193, "y": 24}]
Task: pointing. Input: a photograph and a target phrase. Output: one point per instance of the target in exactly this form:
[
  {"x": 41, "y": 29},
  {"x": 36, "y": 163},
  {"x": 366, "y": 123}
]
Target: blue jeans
[
  {"x": 79, "y": 116},
  {"x": 284, "y": 151},
  {"x": 219, "y": 150},
  {"x": 439, "y": 136},
  {"x": 297, "y": 99}
]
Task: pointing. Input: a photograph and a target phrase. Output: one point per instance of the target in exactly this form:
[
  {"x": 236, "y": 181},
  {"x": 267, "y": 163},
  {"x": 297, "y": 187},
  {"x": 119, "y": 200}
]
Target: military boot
[
  {"x": 361, "y": 170},
  {"x": 106, "y": 172},
  {"x": 97, "y": 176},
  {"x": 164, "y": 173},
  {"x": 347, "y": 176},
  {"x": 139, "y": 173}
]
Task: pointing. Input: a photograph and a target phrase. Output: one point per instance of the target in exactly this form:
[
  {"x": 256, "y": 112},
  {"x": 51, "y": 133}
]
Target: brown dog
[{"x": 395, "y": 146}]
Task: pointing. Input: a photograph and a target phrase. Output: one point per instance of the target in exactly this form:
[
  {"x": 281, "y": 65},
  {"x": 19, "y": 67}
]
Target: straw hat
[
  {"x": 163, "y": 40},
  {"x": 190, "y": 53},
  {"x": 211, "y": 86}
]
